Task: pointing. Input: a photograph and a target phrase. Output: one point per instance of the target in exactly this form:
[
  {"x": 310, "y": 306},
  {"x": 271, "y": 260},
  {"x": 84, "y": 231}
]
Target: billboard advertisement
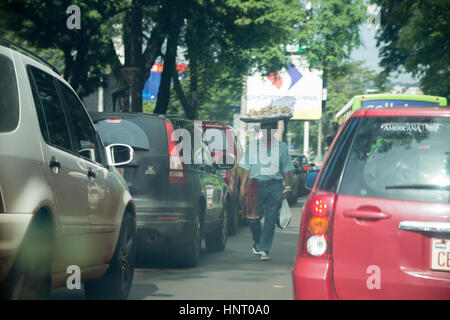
[{"x": 296, "y": 87}]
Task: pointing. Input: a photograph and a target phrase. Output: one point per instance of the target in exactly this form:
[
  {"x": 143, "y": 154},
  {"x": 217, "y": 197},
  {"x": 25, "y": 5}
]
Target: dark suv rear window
[
  {"x": 9, "y": 98},
  {"x": 404, "y": 158},
  {"x": 140, "y": 133}
]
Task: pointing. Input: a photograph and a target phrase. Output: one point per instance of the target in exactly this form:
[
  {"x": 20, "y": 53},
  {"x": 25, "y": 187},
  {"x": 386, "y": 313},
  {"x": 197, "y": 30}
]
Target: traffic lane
[{"x": 233, "y": 274}]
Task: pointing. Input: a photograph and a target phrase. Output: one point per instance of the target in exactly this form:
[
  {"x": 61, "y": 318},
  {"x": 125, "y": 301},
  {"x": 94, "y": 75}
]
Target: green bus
[{"x": 386, "y": 100}]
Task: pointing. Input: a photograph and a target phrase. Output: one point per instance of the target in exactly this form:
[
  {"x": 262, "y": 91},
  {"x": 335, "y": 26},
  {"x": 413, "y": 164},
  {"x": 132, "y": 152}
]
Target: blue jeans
[{"x": 269, "y": 201}]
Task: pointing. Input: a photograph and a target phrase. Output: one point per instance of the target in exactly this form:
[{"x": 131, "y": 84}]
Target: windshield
[
  {"x": 400, "y": 158},
  {"x": 122, "y": 131}
]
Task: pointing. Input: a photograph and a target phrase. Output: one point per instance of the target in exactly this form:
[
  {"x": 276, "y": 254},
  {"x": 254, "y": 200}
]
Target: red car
[
  {"x": 230, "y": 147},
  {"x": 376, "y": 224}
]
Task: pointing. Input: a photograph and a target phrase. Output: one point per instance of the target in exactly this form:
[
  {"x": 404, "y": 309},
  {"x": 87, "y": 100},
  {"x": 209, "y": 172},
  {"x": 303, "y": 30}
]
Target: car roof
[
  {"x": 24, "y": 52},
  {"x": 95, "y": 115},
  {"x": 214, "y": 124},
  {"x": 403, "y": 112}
]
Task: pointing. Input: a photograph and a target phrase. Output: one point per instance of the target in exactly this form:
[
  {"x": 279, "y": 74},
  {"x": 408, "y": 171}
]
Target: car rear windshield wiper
[{"x": 420, "y": 187}]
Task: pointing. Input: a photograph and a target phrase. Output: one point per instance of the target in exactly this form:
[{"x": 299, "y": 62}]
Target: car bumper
[
  {"x": 12, "y": 232},
  {"x": 312, "y": 279},
  {"x": 157, "y": 232}
]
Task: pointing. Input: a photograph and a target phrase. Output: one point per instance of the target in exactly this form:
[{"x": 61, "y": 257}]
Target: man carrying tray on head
[{"x": 266, "y": 163}]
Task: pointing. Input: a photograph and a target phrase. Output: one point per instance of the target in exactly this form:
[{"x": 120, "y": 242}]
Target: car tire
[
  {"x": 188, "y": 256},
  {"x": 216, "y": 242},
  {"x": 116, "y": 282},
  {"x": 30, "y": 275}
]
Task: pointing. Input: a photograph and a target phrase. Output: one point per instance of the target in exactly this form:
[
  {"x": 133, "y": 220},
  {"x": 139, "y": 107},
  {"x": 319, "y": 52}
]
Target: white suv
[{"x": 62, "y": 201}]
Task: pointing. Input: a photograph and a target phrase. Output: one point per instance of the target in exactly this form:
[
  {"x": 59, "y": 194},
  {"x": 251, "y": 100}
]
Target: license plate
[{"x": 440, "y": 254}]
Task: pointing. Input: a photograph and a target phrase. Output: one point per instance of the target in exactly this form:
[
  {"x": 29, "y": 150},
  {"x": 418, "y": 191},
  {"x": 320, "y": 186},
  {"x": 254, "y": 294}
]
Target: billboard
[{"x": 295, "y": 86}]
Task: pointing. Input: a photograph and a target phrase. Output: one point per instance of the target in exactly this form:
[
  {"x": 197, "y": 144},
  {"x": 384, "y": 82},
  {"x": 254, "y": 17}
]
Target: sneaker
[
  {"x": 255, "y": 248},
  {"x": 264, "y": 256}
]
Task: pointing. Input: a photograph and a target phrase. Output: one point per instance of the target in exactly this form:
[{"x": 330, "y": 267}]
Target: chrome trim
[{"x": 425, "y": 226}]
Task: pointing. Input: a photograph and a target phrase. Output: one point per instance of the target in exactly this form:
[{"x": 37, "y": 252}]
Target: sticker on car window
[{"x": 410, "y": 127}]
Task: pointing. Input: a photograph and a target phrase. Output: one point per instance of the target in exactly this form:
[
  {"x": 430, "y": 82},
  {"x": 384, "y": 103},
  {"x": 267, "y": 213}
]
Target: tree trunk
[
  {"x": 134, "y": 60},
  {"x": 75, "y": 65},
  {"x": 194, "y": 82},
  {"x": 163, "y": 99},
  {"x": 190, "y": 112}
]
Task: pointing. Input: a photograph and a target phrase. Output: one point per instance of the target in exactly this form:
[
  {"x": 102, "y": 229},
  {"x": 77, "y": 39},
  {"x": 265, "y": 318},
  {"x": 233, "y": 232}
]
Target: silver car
[{"x": 65, "y": 211}]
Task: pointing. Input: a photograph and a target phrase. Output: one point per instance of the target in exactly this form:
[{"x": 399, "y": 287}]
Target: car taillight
[
  {"x": 317, "y": 225},
  {"x": 176, "y": 166}
]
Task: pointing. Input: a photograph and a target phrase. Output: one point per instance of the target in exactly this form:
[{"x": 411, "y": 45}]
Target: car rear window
[
  {"x": 139, "y": 133},
  {"x": 404, "y": 158},
  {"x": 9, "y": 98}
]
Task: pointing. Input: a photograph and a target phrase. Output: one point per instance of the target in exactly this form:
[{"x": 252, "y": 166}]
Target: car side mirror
[{"x": 119, "y": 154}]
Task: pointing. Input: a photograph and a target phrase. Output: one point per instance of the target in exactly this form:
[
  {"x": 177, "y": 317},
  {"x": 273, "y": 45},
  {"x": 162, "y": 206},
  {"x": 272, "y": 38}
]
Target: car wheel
[
  {"x": 217, "y": 241},
  {"x": 30, "y": 276},
  {"x": 188, "y": 255},
  {"x": 116, "y": 282}
]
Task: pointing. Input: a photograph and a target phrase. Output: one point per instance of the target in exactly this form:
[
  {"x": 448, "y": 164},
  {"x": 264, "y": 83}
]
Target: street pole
[
  {"x": 243, "y": 127},
  {"x": 324, "y": 106},
  {"x": 319, "y": 138},
  {"x": 306, "y": 138}
]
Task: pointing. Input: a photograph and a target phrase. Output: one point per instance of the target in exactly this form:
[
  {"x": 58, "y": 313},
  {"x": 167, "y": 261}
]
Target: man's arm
[
  {"x": 245, "y": 175},
  {"x": 286, "y": 168},
  {"x": 287, "y": 185}
]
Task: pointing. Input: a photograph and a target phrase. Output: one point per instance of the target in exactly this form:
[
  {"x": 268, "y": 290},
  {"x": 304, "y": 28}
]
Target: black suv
[{"x": 178, "y": 200}]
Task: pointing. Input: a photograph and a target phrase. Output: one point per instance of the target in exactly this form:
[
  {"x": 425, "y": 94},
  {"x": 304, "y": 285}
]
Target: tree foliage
[
  {"x": 332, "y": 32},
  {"x": 415, "y": 36},
  {"x": 221, "y": 41},
  {"x": 42, "y": 25}
]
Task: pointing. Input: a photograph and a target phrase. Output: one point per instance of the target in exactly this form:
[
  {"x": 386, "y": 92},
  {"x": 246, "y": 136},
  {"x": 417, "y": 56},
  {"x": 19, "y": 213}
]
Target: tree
[
  {"x": 232, "y": 37},
  {"x": 42, "y": 25},
  {"x": 332, "y": 32},
  {"x": 415, "y": 36}
]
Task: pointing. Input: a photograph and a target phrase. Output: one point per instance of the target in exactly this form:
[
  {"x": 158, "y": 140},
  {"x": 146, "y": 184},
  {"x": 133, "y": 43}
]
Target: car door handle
[
  {"x": 54, "y": 165},
  {"x": 366, "y": 214},
  {"x": 91, "y": 174},
  {"x": 425, "y": 226}
]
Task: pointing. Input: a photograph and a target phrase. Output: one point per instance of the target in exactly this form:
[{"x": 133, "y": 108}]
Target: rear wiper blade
[{"x": 420, "y": 186}]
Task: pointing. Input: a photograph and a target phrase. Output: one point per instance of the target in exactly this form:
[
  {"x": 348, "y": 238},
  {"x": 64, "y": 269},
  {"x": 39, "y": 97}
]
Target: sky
[{"x": 368, "y": 53}]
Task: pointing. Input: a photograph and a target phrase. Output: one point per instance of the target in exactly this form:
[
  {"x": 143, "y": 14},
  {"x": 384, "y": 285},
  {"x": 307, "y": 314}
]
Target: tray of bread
[{"x": 268, "y": 114}]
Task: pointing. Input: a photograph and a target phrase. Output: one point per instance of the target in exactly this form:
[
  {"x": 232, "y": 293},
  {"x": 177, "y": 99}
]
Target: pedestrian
[{"x": 266, "y": 165}]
